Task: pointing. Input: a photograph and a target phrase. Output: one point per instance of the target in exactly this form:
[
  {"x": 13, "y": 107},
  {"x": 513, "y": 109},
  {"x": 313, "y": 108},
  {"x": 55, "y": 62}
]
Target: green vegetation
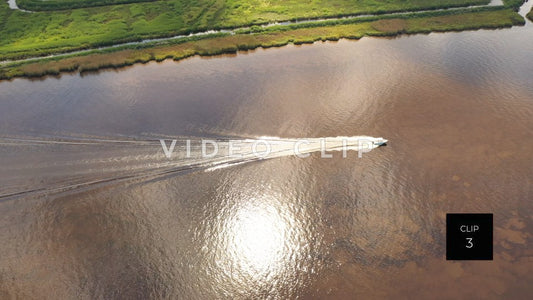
[
  {"x": 515, "y": 4},
  {"x": 530, "y": 15},
  {"x": 42, "y": 33},
  {"x": 42, "y": 5},
  {"x": 269, "y": 37}
]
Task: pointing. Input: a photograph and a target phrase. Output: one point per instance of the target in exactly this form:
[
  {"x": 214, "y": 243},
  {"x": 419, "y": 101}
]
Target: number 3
[{"x": 469, "y": 243}]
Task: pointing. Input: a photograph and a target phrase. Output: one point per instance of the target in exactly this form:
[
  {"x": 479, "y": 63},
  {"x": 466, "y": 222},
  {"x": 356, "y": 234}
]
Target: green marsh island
[{"x": 41, "y": 38}]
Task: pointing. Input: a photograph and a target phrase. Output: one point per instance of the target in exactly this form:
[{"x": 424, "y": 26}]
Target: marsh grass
[
  {"x": 51, "y": 5},
  {"x": 273, "y": 37},
  {"x": 514, "y": 4},
  {"x": 43, "y": 33}
]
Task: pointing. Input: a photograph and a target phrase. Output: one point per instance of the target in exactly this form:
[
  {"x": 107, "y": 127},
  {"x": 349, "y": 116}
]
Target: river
[{"x": 84, "y": 214}]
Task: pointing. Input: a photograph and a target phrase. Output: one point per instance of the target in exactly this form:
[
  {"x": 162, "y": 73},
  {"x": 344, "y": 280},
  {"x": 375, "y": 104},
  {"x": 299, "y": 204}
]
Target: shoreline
[
  {"x": 437, "y": 9},
  {"x": 45, "y": 44},
  {"x": 265, "y": 37}
]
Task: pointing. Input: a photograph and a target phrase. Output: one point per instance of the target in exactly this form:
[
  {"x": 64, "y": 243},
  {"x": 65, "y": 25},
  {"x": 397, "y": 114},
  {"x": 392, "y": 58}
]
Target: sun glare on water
[
  {"x": 258, "y": 238},
  {"x": 260, "y": 242}
]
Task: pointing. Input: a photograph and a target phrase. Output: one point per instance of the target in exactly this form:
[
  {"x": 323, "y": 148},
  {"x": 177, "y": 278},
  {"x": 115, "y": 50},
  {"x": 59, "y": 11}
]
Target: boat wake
[{"x": 32, "y": 166}]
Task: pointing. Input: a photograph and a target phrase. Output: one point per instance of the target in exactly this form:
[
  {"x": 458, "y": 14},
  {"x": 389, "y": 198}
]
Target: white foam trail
[
  {"x": 245, "y": 150},
  {"x": 53, "y": 166}
]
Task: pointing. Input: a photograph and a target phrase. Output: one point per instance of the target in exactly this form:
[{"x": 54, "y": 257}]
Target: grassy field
[
  {"x": 42, "y": 33},
  {"x": 515, "y": 4},
  {"x": 43, "y": 5},
  {"x": 36, "y": 34},
  {"x": 271, "y": 37}
]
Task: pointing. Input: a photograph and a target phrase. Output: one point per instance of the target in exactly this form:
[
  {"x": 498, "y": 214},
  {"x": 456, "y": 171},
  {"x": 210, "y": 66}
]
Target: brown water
[{"x": 84, "y": 215}]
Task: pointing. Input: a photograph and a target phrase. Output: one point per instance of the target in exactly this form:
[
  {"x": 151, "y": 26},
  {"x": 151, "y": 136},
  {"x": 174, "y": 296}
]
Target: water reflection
[
  {"x": 258, "y": 241},
  {"x": 460, "y": 141},
  {"x": 258, "y": 235}
]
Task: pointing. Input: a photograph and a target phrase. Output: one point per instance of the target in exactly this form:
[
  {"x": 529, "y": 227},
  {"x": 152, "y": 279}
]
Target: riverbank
[
  {"x": 275, "y": 36},
  {"x": 43, "y": 33}
]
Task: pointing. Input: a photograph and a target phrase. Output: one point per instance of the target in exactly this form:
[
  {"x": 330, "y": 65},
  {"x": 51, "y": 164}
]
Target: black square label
[{"x": 469, "y": 236}]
